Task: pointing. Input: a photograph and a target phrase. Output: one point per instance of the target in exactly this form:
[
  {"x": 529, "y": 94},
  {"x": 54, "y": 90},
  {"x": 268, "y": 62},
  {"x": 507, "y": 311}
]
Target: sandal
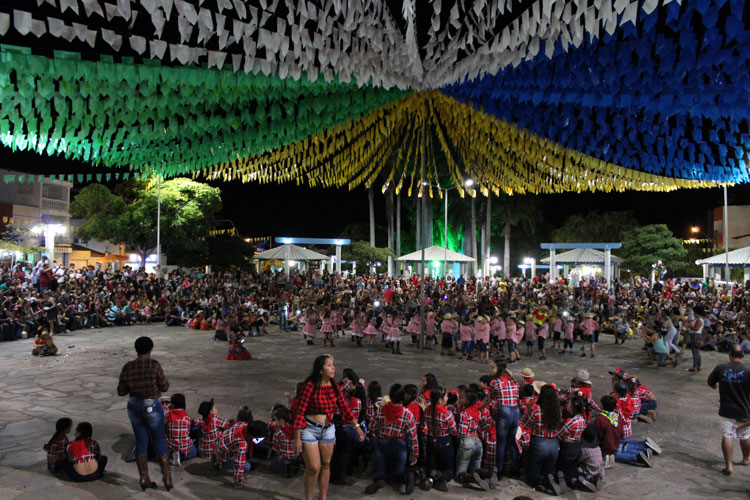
[{"x": 726, "y": 472}]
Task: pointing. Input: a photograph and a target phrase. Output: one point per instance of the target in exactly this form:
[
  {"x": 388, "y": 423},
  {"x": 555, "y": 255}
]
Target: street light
[
  {"x": 695, "y": 229},
  {"x": 532, "y": 264}
]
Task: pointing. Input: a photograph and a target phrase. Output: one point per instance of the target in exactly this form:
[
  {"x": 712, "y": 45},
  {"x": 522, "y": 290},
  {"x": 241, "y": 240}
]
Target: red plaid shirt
[
  {"x": 644, "y": 393},
  {"x": 83, "y": 450},
  {"x": 178, "y": 431},
  {"x": 442, "y": 425},
  {"x": 57, "y": 448},
  {"x": 533, "y": 421},
  {"x": 283, "y": 443},
  {"x": 404, "y": 427},
  {"x": 212, "y": 429},
  {"x": 355, "y": 407},
  {"x": 322, "y": 400},
  {"x": 142, "y": 379},
  {"x": 572, "y": 428},
  {"x": 467, "y": 424},
  {"x": 503, "y": 392},
  {"x": 233, "y": 444}
]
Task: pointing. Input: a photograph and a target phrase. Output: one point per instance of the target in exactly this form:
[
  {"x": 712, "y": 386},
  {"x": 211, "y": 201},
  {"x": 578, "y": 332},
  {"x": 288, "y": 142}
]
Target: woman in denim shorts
[{"x": 314, "y": 432}]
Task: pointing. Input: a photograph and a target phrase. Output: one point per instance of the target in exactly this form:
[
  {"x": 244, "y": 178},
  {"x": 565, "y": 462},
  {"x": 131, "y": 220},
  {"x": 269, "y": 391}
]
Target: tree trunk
[
  {"x": 398, "y": 225},
  {"x": 418, "y": 232},
  {"x": 483, "y": 246},
  {"x": 371, "y": 196},
  {"x": 506, "y": 252},
  {"x": 488, "y": 232},
  {"x": 473, "y": 240},
  {"x": 427, "y": 214}
]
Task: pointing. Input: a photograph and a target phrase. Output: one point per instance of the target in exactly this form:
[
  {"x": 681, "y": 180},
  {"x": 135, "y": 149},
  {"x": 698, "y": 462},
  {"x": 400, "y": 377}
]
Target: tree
[
  {"x": 363, "y": 253},
  {"x": 228, "y": 252},
  {"x": 644, "y": 246},
  {"x": 187, "y": 214},
  {"x": 606, "y": 227}
]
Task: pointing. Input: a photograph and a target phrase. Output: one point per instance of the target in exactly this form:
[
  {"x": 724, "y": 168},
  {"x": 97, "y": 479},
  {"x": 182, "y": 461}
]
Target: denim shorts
[{"x": 313, "y": 433}]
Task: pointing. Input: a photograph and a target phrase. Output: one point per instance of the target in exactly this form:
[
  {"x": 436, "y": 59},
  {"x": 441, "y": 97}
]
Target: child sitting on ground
[
  {"x": 590, "y": 463},
  {"x": 57, "y": 447},
  {"x": 178, "y": 425},
  {"x": 212, "y": 426},
  {"x": 285, "y": 459},
  {"x": 86, "y": 462},
  {"x": 234, "y": 446},
  {"x": 43, "y": 345}
]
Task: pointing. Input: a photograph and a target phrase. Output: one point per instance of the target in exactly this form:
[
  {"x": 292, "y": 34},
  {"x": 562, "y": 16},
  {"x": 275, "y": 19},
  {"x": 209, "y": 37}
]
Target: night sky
[{"x": 291, "y": 210}]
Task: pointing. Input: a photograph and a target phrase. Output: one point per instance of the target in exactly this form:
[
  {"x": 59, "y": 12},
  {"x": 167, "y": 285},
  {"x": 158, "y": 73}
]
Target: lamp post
[
  {"x": 531, "y": 262},
  {"x": 468, "y": 183}
]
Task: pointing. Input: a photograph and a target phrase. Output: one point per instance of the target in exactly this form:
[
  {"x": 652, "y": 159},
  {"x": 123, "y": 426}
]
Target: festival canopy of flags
[{"x": 520, "y": 96}]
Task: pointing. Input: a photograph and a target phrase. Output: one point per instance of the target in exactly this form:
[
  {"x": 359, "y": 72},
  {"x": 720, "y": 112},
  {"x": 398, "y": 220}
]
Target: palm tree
[{"x": 524, "y": 211}]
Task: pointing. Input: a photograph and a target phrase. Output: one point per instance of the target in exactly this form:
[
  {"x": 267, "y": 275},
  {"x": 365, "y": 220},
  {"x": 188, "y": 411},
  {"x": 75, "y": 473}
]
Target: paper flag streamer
[{"x": 543, "y": 96}]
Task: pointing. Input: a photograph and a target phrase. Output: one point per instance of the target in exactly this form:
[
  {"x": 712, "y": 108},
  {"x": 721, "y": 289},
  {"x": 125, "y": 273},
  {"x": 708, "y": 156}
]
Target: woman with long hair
[
  {"x": 314, "y": 432},
  {"x": 503, "y": 391},
  {"x": 440, "y": 427},
  {"x": 544, "y": 419}
]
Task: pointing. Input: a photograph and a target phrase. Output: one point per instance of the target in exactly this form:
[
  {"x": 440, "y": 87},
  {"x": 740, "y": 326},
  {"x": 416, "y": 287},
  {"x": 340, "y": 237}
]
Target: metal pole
[
  {"x": 421, "y": 230},
  {"x": 445, "y": 254},
  {"x": 158, "y": 225},
  {"x": 726, "y": 239}
]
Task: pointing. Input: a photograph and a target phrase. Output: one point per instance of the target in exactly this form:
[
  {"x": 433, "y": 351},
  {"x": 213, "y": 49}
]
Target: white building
[
  {"x": 40, "y": 205},
  {"x": 739, "y": 226}
]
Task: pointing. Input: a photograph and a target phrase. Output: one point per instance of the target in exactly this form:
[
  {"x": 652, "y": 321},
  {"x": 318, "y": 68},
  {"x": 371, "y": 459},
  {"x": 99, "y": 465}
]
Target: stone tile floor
[{"x": 81, "y": 383}]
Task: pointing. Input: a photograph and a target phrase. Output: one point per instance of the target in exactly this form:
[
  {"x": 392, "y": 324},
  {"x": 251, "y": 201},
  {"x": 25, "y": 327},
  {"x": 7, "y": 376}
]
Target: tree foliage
[
  {"x": 602, "y": 227},
  {"x": 129, "y": 215},
  {"x": 644, "y": 246},
  {"x": 229, "y": 252}
]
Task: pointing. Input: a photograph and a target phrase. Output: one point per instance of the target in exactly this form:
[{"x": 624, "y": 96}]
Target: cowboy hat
[
  {"x": 448, "y": 316},
  {"x": 588, "y": 315},
  {"x": 527, "y": 372},
  {"x": 538, "y": 386},
  {"x": 582, "y": 377}
]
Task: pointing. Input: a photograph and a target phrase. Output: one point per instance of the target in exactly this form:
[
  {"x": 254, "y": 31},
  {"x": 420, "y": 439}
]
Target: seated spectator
[
  {"x": 178, "y": 425},
  {"x": 211, "y": 426},
  {"x": 284, "y": 458},
  {"x": 590, "y": 463},
  {"x": 57, "y": 447},
  {"x": 85, "y": 459},
  {"x": 235, "y": 446},
  {"x": 43, "y": 345}
]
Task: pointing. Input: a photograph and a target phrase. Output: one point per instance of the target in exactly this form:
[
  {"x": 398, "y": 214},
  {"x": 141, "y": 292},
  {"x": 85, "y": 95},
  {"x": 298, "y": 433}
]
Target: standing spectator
[
  {"x": 733, "y": 379},
  {"x": 695, "y": 326},
  {"x": 143, "y": 379}
]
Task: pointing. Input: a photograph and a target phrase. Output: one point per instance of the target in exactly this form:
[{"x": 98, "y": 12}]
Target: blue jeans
[
  {"x": 229, "y": 464},
  {"x": 441, "y": 448},
  {"x": 628, "y": 451},
  {"x": 282, "y": 320},
  {"x": 567, "y": 461},
  {"x": 542, "y": 458},
  {"x": 389, "y": 460},
  {"x": 469, "y": 456},
  {"x": 507, "y": 424},
  {"x": 647, "y": 405},
  {"x": 467, "y": 346},
  {"x": 281, "y": 466},
  {"x": 147, "y": 425}
]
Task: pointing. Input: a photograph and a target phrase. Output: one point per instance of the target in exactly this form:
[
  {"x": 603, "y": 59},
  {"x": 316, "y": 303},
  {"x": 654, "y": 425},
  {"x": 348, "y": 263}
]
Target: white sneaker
[{"x": 652, "y": 444}]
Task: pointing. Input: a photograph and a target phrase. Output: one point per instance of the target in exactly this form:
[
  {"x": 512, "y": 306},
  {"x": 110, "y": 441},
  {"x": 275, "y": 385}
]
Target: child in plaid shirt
[
  {"x": 178, "y": 425},
  {"x": 57, "y": 447},
  {"x": 212, "y": 425},
  {"x": 235, "y": 445},
  {"x": 85, "y": 459},
  {"x": 285, "y": 459}
]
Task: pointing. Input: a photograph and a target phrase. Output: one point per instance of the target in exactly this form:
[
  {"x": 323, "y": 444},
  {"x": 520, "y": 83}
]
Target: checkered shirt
[
  {"x": 178, "y": 431},
  {"x": 625, "y": 407},
  {"x": 533, "y": 421},
  {"x": 442, "y": 425},
  {"x": 355, "y": 407},
  {"x": 57, "y": 448},
  {"x": 572, "y": 428},
  {"x": 403, "y": 428},
  {"x": 370, "y": 415},
  {"x": 92, "y": 451},
  {"x": 467, "y": 425},
  {"x": 591, "y": 461},
  {"x": 488, "y": 433},
  {"x": 503, "y": 392},
  {"x": 322, "y": 400},
  {"x": 142, "y": 379},
  {"x": 283, "y": 446},
  {"x": 643, "y": 393},
  {"x": 233, "y": 444},
  {"x": 211, "y": 433},
  {"x": 525, "y": 440}
]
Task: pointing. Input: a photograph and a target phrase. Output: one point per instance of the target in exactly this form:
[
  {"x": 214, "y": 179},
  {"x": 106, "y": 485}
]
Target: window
[{"x": 52, "y": 191}]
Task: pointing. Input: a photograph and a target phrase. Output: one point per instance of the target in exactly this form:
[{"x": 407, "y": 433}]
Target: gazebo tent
[
  {"x": 289, "y": 253},
  {"x": 584, "y": 257},
  {"x": 737, "y": 258},
  {"x": 435, "y": 253}
]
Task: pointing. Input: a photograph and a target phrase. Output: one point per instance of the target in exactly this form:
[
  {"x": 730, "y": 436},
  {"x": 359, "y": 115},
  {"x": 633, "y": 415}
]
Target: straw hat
[
  {"x": 538, "y": 384},
  {"x": 527, "y": 372},
  {"x": 530, "y": 317},
  {"x": 588, "y": 315},
  {"x": 448, "y": 316},
  {"x": 582, "y": 377},
  {"x": 430, "y": 314}
]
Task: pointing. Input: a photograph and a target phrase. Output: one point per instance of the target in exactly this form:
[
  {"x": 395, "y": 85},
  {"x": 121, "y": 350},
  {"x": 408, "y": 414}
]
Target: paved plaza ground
[{"x": 81, "y": 383}]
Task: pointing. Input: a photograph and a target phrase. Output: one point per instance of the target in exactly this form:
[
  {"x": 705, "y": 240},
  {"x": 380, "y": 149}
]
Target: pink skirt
[
  {"x": 371, "y": 331},
  {"x": 326, "y": 328}
]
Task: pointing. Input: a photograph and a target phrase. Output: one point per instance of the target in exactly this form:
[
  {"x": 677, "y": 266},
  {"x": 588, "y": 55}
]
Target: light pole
[
  {"x": 531, "y": 262},
  {"x": 468, "y": 183}
]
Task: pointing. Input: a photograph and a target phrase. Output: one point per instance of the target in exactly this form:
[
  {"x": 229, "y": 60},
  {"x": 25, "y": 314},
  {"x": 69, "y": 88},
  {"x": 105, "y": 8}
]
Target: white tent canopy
[
  {"x": 290, "y": 252},
  {"x": 582, "y": 256},
  {"x": 739, "y": 258},
  {"x": 435, "y": 253}
]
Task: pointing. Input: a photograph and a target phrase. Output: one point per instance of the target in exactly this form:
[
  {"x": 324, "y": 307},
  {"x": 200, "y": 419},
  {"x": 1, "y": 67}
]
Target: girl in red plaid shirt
[
  {"x": 439, "y": 428},
  {"x": 85, "y": 459},
  {"x": 469, "y": 455},
  {"x": 282, "y": 444},
  {"x": 544, "y": 421},
  {"x": 570, "y": 439},
  {"x": 212, "y": 425},
  {"x": 178, "y": 425},
  {"x": 57, "y": 447},
  {"x": 235, "y": 445}
]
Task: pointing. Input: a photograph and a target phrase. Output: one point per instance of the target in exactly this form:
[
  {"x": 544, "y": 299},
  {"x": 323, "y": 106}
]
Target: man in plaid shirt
[
  {"x": 178, "y": 431},
  {"x": 503, "y": 392},
  {"x": 395, "y": 432}
]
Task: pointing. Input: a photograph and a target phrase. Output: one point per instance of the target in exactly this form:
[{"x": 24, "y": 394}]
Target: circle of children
[{"x": 475, "y": 434}]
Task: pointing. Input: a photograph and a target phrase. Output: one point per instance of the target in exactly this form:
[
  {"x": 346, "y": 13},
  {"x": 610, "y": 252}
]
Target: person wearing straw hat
[
  {"x": 467, "y": 338},
  {"x": 528, "y": 376},
  {"x": 510, "y": 334},
  {"x": 530, "y": 331},
  {"x": 482, "y": 338},
  {"x": 448, "y": 327},
  {"x": 569, "y": 328},
  {"x": 589, "y": 326}
]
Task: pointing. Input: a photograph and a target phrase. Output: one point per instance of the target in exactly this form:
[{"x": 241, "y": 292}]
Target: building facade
[{"x": 739, "y": 226}]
